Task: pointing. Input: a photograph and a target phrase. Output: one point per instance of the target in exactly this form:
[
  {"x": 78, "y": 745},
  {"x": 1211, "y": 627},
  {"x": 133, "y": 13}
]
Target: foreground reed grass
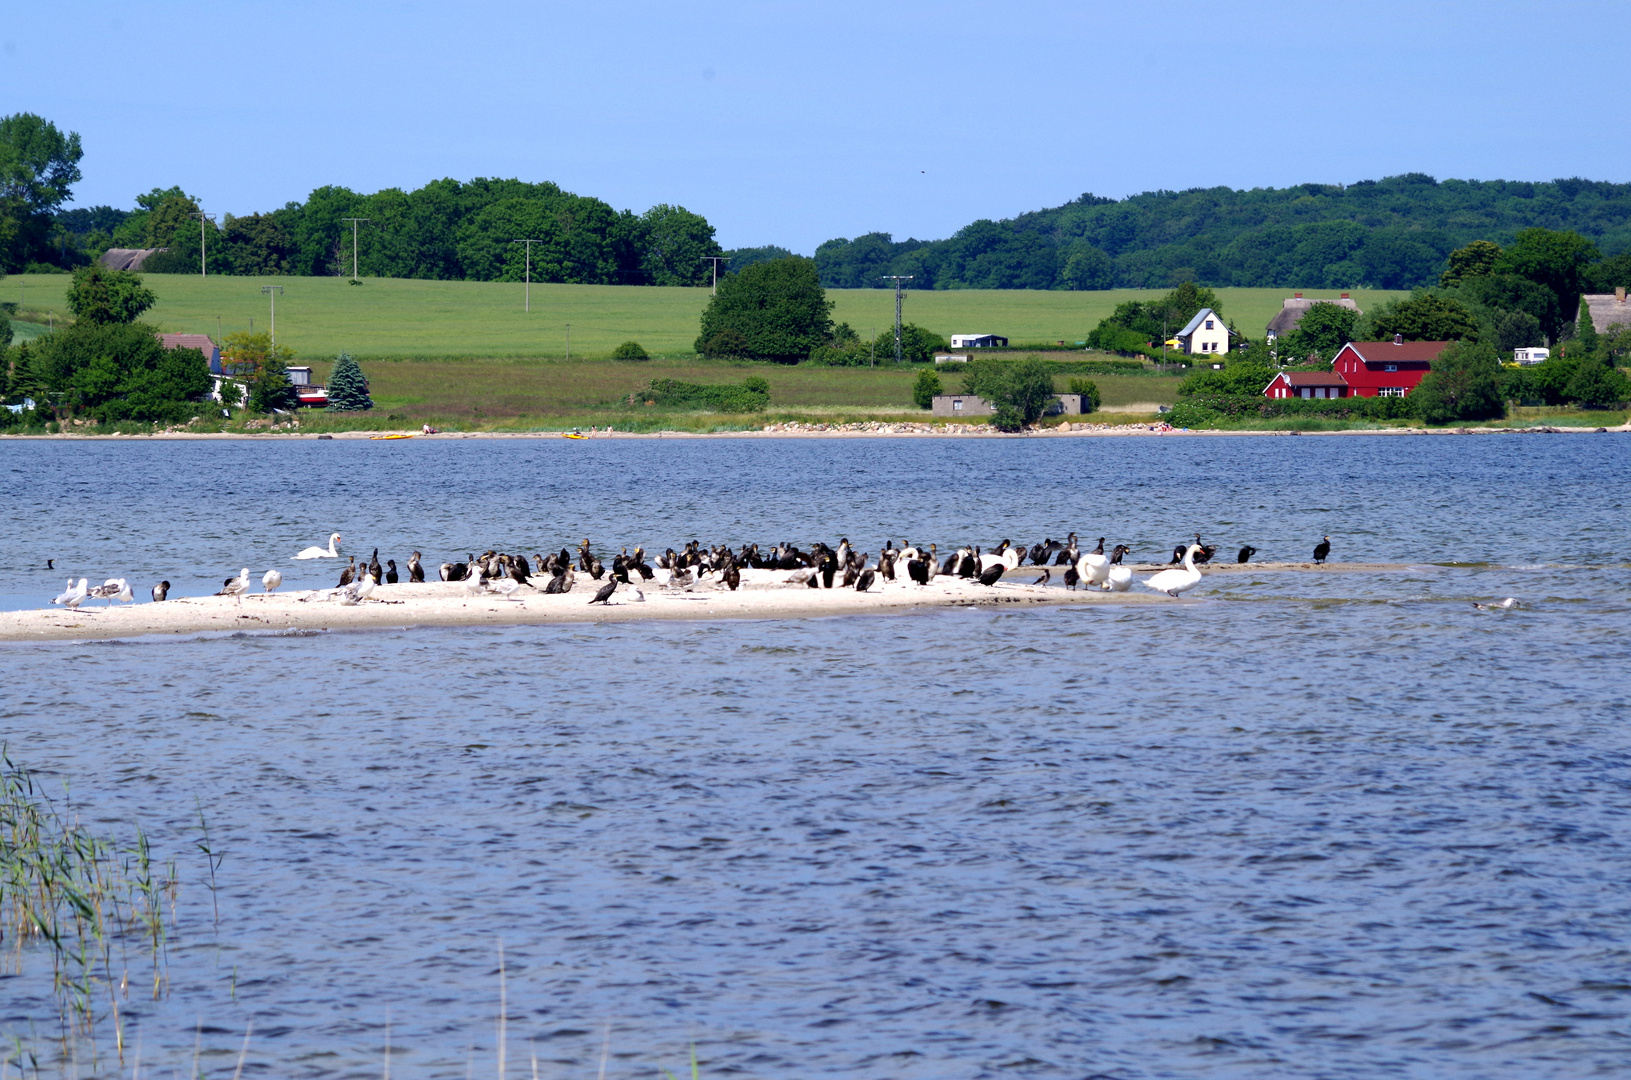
[{"x": 102, "y": 910}]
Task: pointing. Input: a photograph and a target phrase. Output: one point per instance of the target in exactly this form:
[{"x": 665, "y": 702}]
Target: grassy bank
[{"x": 394, "y": 317}]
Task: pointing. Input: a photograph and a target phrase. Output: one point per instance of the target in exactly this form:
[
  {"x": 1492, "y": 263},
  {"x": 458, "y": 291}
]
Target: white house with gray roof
[{"x": 1206, "y": 334}]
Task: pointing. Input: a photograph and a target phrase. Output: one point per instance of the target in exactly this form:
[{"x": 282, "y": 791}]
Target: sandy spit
[{"x": 765, "y": 594}]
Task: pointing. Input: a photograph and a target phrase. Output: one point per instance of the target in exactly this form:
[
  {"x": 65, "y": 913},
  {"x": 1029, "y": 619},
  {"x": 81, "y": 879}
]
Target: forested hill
[{"x": 1384, "y": 234}]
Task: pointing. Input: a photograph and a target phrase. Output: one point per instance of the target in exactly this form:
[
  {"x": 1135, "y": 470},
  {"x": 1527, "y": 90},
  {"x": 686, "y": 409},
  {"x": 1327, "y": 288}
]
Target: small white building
[
  {"x": 978, "y": 341},
  {"x": 1206, "y": 334},
  {"x": 1530, "y": 356}
]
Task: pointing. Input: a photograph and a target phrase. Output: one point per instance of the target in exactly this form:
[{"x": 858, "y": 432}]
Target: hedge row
[
  {"x": 1203, "y": 408},
  {"x": 750, "y": 395}
]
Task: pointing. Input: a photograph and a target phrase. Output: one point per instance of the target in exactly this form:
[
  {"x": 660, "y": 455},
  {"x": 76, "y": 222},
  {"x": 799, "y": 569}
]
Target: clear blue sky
[{"x": 795, "y": 123}]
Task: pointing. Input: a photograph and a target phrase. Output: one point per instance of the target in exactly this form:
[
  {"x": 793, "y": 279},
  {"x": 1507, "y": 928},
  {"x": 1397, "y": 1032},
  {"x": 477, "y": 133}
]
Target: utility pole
[
  {"x": 529, "y": 244},
  {"x": 897, "y": 279},
  {"x": 202, "y": 217},
  {"x": 272, "y": 291},
  {"x": 355, "y": 221},
  {"x": 716, "y": 260}
]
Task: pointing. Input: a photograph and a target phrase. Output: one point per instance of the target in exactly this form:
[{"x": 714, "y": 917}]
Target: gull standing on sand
[
  {"x": 110, "y": 590},
  {"x": 67, "y": 592},
  {"x": 271, "y": 580},
  {"x": 73, "y": 599},
  {"x": 236, "y": 587},
  {"x": 330, "y": 552}
]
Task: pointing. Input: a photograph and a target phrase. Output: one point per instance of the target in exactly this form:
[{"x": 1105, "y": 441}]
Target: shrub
[
  {"x": 917, "y": 345},
  {"x": 1091, "y": 400},
  {"x": 630, "y": 350},
  {"x": 1595, "y": 385},
  {"x": 1242, "y": 377},
  {"x": 750, "y": 395},
  {"x": 849, "y": 354},
  {"x": 1025, "y": 386},
  {"x": 777, "y": 310},
  {"x": 1008, "y": 418},
  {"x": 925, "y": 388},
  {"x": 1190, "y": 414},
  {"x": 725, "y": 344}
]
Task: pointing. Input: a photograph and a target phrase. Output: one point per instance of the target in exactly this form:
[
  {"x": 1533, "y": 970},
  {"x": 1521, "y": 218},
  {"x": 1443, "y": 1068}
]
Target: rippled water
[{"x": 1344, "y": 826}]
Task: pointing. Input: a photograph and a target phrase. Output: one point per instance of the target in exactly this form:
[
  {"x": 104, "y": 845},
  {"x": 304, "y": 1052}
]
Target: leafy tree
[
  {"x": 5, "y": 329},
  {"x": 630, "y": 350},
  {"x": 742, "y": 258},
  {"x": 674, "y": 244},
  {"x": 1595, "y": 385},
  {"x": 1556, "y": 260},
  {"x": 1509, "y": 292},
  {"x": 1424, "y": 317},
  {"x": 925, "y": 388},
  {"x": 347, "y": 389},
  {"x": 1086, "y": 267},
  {"x": 38, "y": 167},
  {"x": 102, "y": 296},
  {"x": 1023, "y": 387},
  {"x": 1241, "y": 377},
  {"x": 115, "y": 371},
  {"x": 917, "y": 345},
  {"x": 778, "y": 308},
  {"x": 1322, "y": 332},
  {"x": 725, "y": 344},
  {"x": 1517, "y": 330},
  {"x": 1477, "y": 259},
  {"x": 1463, "y": 385},
  {"x": 1609, "y": 274},
  {"x": 1585, "y": 331},
  {"x": 263, "y": 367}
]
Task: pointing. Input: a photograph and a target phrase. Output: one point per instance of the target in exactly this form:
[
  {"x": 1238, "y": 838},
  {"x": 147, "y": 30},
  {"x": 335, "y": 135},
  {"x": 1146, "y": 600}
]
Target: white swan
[
  {"x": 1118, "y": 579},
  {"x": 1173, "y": 582},
  {"x": 271, "y": 580},
  {"x": 1094, "y": 567},
  {"x": 330, "y": 552}
]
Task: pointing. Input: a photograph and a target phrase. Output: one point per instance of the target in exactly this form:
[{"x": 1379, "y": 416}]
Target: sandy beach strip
[{"x": 765, "y": 594}]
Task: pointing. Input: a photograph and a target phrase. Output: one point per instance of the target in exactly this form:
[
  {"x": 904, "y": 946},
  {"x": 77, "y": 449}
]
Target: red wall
[{"x": 1367, "y": 380}]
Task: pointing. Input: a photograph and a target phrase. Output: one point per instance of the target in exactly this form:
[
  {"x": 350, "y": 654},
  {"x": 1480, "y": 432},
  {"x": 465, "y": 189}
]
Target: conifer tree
[
  {"x": 1585, "y": 331},
  {"x": 347, "y": 389}
]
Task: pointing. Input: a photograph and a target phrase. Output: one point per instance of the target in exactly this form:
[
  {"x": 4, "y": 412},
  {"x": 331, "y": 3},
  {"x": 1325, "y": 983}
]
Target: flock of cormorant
[{"x": 821, "y": 567}]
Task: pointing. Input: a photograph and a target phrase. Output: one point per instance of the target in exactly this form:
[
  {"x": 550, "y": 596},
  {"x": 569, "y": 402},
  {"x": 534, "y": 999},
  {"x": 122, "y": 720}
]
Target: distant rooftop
[{"x": 1295, "y": 307}]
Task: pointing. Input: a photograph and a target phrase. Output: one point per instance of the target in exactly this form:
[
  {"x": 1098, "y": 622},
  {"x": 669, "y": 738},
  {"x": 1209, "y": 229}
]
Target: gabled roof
[
  {"x": 1293, "y": 308},
  {"x": 201, "y": 342},
  {"x": 1607, "y": 310},
  {"x": 1390, "y": 352},
  {"x": 126, "y": 258},
  {"x": 1311, "y": 378},
  {"x": 1203, "y": 313}
]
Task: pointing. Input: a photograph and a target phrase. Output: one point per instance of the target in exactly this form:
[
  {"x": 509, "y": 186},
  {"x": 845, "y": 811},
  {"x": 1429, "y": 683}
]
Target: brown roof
[
  {"x": 201, "y": 342},
  {"x": 1389, "y": 352},
  {"x": 126, "y": 258},
  {"x": 1607, "y": 310},
  {"x": 1295, "y": 307},
  {"x": 1314, "y": 378}
]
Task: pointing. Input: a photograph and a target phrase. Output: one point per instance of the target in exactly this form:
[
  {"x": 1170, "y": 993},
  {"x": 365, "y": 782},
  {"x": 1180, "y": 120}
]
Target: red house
[
  {"x": 1307, "y": 384},
  {"x": 1385, "y": 368}
]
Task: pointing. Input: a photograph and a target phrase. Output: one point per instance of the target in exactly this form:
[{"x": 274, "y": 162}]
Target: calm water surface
[{"x": 1345, "y": 826}]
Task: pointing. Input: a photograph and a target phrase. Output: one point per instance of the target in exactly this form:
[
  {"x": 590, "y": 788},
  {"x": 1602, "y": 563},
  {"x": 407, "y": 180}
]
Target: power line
[
  {"x": 529, "y": 244},
  {"x": 355, "y": 221},
  {"x": 897, "y": 279},
  {"x": 271, "y": 291}
]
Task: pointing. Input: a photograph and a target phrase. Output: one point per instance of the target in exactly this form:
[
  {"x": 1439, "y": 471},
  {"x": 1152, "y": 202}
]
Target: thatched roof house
[
  {"x": 127, "y": 258},
  {"x": 1608, "y": 309},
  {"x": 1292, "y": 311}
]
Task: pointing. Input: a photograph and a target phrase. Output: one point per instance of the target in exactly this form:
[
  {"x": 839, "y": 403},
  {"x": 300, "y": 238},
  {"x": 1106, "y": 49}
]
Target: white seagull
[
  {"x": 236, "y": 587},
  {"x": 271, "y": 580},
  {"x": 330, "y": 552},
  {"x": 67, "y": 593},
  {"x": 72, "y": 599},
  {"x": 109, "y": 590}
]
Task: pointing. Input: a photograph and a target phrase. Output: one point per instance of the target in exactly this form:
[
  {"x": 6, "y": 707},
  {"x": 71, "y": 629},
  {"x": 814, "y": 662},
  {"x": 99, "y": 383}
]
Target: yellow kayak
[
  {"x": 574, "y": 435},
  {"x": 376, "y": 438}
]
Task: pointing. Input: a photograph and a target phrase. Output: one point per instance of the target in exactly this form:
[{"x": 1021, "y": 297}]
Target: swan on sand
[
  {"x": 330, "y": 552},
  {"x": 1173, "y": 582}
]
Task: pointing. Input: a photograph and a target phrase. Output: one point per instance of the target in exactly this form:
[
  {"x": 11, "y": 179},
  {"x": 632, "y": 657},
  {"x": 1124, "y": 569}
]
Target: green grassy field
[{"x": 389, "y": 317}]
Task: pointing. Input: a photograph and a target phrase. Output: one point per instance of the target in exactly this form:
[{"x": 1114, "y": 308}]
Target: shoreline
[
  {"x": 765, "y": 594},
  {"x": 876, "y": 430}
]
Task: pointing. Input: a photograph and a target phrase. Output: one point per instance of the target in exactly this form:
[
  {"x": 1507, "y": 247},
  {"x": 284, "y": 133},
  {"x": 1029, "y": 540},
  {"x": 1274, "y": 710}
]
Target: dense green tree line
[{"x": 1388, "y": 234}]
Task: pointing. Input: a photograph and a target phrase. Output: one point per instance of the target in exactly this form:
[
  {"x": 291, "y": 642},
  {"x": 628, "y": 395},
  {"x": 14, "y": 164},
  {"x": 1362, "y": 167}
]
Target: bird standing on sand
[
  {"x": 77, "y": 596},
  {"x": 1245, "y": 554},
  {"x": 1322, "y": 549},
  {"x": 1173, "y": 582},
  {"x": 604, "y": 593},
  {"x": 271, "y": 580},
  {"x": 1047, "y": 575},
  {"x": 349, "y": 574},
  {"x": 67, "y": 591},
  {"x": 991, "y": 574},
  {"x": 236, "y": 587},
  {"x": 390, "y": 572},
  {"x": 416, "y": 573},
  {"x": 160, "y": 591}
]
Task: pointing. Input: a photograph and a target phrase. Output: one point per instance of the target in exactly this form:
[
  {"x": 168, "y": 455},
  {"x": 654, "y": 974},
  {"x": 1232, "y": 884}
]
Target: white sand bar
[{"x": 764, "y": 594}]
